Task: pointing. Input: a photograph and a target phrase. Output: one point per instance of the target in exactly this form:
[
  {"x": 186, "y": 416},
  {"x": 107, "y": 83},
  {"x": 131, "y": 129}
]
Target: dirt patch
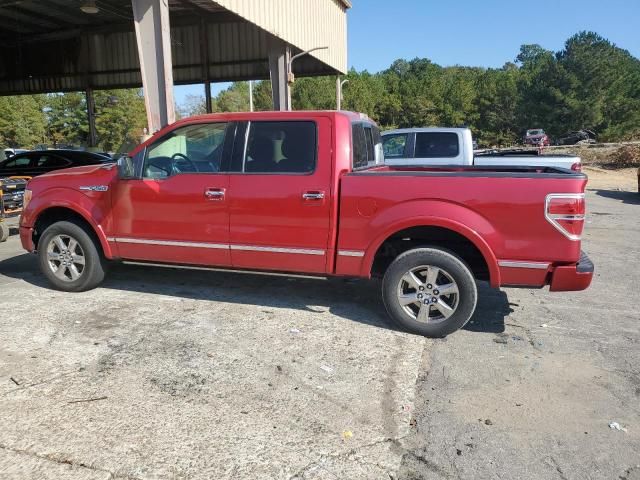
[{"x": 607, "y": 157}]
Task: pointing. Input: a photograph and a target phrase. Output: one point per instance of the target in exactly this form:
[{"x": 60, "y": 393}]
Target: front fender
[
  {"x": 436, "y": 213},
  {"x": 91, "y": 206}
]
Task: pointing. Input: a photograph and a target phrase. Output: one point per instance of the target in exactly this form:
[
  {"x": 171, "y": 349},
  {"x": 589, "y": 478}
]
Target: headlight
[{"x": 26, "y": 198}]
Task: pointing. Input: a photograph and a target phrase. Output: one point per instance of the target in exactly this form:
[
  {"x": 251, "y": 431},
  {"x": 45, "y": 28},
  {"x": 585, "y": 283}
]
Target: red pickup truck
[{"x": 308, "y": 192}]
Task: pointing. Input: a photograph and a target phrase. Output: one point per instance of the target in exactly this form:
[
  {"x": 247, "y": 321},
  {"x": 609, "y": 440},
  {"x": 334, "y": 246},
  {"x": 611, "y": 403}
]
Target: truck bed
[{"x": 498, "y": 170}]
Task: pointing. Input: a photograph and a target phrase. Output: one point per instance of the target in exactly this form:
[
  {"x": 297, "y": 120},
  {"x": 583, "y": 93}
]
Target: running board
[{"x": 225, "y": 270}]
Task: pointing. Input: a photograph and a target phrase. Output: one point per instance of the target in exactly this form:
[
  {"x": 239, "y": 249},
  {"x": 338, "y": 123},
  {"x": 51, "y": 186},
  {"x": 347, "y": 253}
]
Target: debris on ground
[
  {"x": 617, "y": 426},
  {"x": 95, "y": 399},
  {"x": 294, "y": 330},
  {"x": 488, "y": 422},
  {"x": 326, "y": 368},
  {"x": 501, "y": 338},
  {"x": 347, "y": 434},
  {"x": 14, "y": 380}
]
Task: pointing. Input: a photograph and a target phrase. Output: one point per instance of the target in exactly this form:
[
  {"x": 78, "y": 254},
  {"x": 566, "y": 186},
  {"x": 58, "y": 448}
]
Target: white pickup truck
[{"x": 454, "y": 146}]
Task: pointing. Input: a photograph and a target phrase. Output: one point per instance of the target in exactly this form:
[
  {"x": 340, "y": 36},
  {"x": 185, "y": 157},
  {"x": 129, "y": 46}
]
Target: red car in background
[{"x": 537, "y": 137}]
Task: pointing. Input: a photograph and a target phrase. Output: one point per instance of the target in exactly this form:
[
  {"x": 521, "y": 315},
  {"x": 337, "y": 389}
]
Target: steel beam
[
  {"x": 151, "y": 18},
  {"x": 91, "y": 114},
  {"x": 279, "y": 55}
]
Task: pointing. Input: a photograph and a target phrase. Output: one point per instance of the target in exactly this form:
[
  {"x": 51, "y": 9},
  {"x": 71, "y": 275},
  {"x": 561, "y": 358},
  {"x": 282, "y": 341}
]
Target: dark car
[
  {"x": 573, "y": 138},
  {"x": 38, "y": 162}
]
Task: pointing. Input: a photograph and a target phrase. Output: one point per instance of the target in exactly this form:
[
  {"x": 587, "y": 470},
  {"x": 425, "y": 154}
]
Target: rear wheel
[
  {"x": 70, "y": 258},
  {"x": 429, "y": 291}
]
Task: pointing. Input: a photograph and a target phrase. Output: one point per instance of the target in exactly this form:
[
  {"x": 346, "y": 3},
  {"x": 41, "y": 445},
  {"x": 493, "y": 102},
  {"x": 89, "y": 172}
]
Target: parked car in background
[
  {"x": 454, "y": 146},
  {"x": 573, "y": 138},
  {"x": 37, "y": 162},
  {"x": 307, "y": 192},
  {"x": 537, "y": 137}
]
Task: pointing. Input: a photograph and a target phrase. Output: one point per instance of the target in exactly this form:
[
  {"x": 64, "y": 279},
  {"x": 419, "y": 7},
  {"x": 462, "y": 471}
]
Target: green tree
[{"x": 22, "y": 121}]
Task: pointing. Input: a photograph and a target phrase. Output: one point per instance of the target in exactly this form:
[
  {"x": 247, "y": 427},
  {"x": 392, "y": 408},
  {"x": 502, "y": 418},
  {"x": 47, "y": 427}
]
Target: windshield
[{"x": 535, "y": 132}]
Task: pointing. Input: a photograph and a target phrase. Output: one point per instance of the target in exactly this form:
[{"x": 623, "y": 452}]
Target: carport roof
[{"x": 51, "y": 45}]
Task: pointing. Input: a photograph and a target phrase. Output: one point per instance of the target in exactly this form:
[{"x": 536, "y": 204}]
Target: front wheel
[
  {"x": 429, "y": 291},
  {"x": 70, "y": 258}
]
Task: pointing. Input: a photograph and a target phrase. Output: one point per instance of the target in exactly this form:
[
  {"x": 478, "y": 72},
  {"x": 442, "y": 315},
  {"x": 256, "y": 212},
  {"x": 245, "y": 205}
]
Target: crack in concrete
[
  {"x": 558, "y": 468},
  {"x": 66, "y": 461}
]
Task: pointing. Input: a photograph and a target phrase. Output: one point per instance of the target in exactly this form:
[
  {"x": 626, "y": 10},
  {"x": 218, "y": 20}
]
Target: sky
[{"x": 484, "y": 33}]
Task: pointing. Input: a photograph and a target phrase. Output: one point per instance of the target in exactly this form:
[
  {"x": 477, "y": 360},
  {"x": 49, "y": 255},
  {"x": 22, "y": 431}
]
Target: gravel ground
[{"x": 179, "y": 374}]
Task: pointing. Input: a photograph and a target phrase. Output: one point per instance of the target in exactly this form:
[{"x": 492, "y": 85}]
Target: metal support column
[
  {"x": 207, "y": 97},
  {"x": 91, "y": 115},
  {"x": 151, "y": 19},
  {"x": 279, "y": 55}
]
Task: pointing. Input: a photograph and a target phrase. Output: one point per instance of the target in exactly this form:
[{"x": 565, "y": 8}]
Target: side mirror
[{"x": 126, "y": 168}]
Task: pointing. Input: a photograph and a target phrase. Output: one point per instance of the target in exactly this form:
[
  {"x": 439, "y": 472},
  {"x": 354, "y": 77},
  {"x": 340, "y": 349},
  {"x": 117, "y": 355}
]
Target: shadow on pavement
[
  {"x": 626, "y": 197},
  {"x": 357, "y": 300}
]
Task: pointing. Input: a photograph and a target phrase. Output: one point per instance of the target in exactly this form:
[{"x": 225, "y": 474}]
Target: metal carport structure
[{"x": 54, "y": 46}]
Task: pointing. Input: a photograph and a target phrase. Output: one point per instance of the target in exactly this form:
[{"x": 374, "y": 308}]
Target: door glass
[
  {"x": 190, "y": 149},
  {"x": 434, "y": 145},
  {"x": 394, "y": 145},
  {"x": 281, "y": 147},
  {"x": 47, "y": 161},
  {"x": 17, "y": 162}
]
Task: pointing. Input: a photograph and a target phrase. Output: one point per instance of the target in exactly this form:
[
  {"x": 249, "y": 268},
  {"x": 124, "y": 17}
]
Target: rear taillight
[
  {"x": 576, "y": 167},
  {"x": 565, "y": 211}
]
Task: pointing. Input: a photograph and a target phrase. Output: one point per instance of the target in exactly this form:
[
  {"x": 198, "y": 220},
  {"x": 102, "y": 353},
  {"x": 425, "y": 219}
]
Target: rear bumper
[
  {"x": 26, "y": 238},
  {"x": 560, "y": 278},
  {"x": 567, "y": 278}
]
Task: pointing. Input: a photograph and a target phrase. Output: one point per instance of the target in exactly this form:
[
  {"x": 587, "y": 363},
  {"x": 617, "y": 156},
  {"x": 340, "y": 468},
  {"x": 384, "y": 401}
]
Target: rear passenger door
[{"x": 280, "y": 195}]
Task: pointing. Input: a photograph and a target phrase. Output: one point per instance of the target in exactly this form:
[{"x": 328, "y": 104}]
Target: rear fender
[
  {"x": 89, "y": 205},
  {"x": 435, "y": 213}
]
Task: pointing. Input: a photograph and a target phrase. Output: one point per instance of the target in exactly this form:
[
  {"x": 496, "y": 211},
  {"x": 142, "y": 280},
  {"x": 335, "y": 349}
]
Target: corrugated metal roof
[
  {"x": 305, "y": 24},
  {"x": 53, "y": 47}
]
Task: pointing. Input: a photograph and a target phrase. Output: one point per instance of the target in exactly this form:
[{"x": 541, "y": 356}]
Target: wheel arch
[
  {"x": 437, "y": 232},
  {"x": 58, "y": 213}
]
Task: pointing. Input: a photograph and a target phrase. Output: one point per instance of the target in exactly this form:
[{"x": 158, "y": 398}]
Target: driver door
[{"x": 177, "y": 211}]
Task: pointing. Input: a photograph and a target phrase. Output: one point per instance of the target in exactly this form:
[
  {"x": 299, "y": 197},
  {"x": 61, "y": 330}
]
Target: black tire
[
  {"x": 449, "y": 270},
  {"x": 4, "y": 232},
  {"x": 92, "y": 272}
]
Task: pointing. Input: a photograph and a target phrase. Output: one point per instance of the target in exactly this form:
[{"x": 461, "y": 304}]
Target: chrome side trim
[
  {"x": 302, "y": 251},
  {"x": 220, "y": 246},
  {"x": 170, "y": 243},
  {"x": 517, "y": 264},
  {"x": 351, "y": 253},
  {"x": 94, "y": 188}
]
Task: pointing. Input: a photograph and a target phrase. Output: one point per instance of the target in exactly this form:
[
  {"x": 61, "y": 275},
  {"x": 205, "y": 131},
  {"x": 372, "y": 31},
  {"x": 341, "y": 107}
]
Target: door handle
[
  {"x": 313, "y": 196},
  {"x": 215, "y": 194}
]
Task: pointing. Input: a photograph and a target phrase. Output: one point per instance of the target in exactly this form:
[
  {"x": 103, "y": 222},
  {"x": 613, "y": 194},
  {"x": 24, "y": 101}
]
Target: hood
[{"x": 88, "y": 175}]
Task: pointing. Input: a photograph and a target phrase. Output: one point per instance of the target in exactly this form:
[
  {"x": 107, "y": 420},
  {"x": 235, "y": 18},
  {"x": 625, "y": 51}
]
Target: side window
[
  {"x": 47, "y": 161},
  {"x": 191, "y": 149},
  {"x": 18, "y": 162},
  {"x": 367, "y": 145},
  {"x": 394, "y": 145},
  {"x": 434, "y": 145},
  {"x": 360, "y": 157},
  {"x": 280, "y": 147}
]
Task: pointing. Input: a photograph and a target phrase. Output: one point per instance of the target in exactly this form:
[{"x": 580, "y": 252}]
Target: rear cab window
[
  {"x": 436, "y": 145},
  {"x": 366, "y": 144}
]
